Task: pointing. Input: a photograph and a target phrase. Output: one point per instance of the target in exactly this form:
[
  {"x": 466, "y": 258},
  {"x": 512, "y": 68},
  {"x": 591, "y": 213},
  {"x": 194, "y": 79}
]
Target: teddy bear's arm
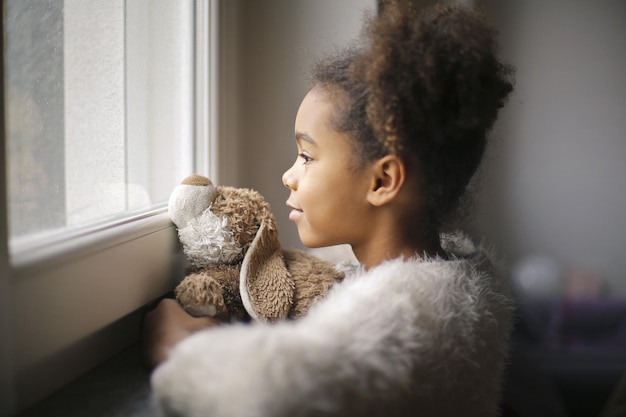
[
  {"x": 211, "y": 291},
  {"x": 313, "y": 279}
]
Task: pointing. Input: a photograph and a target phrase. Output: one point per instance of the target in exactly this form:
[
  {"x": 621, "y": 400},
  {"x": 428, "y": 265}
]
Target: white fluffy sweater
[{"x": 418, "y": 337}]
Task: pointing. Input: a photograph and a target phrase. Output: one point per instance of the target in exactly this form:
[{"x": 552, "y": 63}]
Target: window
[
  {"x": 107, "y": 105},
  {"x": 99, "y": 113}
]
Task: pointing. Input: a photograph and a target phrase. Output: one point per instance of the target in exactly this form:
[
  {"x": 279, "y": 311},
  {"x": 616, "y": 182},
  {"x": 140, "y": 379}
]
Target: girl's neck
[{"x": 398, "y": 245}]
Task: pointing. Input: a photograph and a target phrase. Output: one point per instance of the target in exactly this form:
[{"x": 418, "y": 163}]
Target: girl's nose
[{"x": 289, "y": 179}]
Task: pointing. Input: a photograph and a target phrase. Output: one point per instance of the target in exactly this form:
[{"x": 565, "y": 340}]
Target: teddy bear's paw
[{"x": 201, "y": 295}]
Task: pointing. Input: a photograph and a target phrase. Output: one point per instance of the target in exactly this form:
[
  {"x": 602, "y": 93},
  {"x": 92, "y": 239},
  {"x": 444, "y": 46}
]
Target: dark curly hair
[{"x": 424, "y": 84}]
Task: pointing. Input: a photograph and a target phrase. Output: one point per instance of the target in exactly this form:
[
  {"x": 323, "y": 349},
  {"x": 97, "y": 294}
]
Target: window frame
[
  {"x": 7, "y": 395},
  {"x": 100, "y": 279}
]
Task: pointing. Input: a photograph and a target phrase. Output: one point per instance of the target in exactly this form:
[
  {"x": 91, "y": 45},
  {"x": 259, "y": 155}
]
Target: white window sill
[{"x": 99, "y": 283}]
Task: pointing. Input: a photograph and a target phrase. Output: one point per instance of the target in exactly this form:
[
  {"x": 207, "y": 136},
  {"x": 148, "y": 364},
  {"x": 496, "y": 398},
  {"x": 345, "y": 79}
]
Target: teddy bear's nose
[
  {"x": 190, "y": 199},
  {"x": 196, "y": 179}
]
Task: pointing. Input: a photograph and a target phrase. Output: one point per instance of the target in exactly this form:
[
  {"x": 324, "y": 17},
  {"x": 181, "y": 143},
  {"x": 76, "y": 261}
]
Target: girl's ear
[{"x": 388, "y": 176}]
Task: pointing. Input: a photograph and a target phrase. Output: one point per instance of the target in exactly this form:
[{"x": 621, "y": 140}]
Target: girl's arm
[{"x": 351, "y": 355}]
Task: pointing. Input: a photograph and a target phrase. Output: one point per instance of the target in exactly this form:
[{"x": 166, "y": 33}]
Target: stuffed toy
[{"x": 236, "y": 266}]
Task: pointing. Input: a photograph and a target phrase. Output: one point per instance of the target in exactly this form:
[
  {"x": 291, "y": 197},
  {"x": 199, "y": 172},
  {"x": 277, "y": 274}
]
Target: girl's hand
[{"x": 165, "y": 326}]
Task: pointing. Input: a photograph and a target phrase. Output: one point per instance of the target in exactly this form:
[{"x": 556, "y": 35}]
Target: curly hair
[{"x": 425, "y": 84}]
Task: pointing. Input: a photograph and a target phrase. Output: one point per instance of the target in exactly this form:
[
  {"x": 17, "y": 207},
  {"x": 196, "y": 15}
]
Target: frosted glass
[{"x": 100, "y": 109}]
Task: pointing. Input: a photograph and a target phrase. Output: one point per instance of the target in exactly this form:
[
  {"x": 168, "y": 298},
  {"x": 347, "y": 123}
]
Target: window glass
[{"x": 99, "y": 109}]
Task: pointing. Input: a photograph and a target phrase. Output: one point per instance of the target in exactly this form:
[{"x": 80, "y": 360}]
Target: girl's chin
[
  {"x": 311, "y": 242},
  {"x": 306, "y": 240}
]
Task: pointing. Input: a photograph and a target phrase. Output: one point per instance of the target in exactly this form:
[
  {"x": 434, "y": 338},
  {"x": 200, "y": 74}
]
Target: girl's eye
[{"x": 305, "y": 157}]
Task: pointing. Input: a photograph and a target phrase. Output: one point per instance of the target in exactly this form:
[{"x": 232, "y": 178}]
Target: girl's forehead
[
  {"x": 315, "y": 121},
  {"x": 322, "y": 103},
  {"x": 315, "y": 111}
]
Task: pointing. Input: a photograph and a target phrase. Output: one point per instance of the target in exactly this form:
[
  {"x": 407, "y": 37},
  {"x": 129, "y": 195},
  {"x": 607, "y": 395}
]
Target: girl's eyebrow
[{"x": 300, "y": 136}]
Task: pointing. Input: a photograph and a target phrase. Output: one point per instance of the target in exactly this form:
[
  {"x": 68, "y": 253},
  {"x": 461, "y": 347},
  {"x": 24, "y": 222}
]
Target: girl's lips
[{"x": 295, "y": 213}]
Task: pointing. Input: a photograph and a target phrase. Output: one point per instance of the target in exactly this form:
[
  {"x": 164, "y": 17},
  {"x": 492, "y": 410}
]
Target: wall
[{"x": 556, "y": 180}]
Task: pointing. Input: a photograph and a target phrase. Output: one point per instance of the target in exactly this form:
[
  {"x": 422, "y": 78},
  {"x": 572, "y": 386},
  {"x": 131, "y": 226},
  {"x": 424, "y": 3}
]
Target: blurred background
[{"x": 555, "y": 184}]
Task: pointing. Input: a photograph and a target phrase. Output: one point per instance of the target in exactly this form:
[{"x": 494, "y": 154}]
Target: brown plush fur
[
  {"x": 311, "y": 279},
  {"x": 244, "y": 210}
]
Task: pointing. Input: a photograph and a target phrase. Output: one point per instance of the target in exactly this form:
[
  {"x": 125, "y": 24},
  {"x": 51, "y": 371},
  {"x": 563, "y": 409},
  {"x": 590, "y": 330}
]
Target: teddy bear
[{"x": 236, "y": 266}]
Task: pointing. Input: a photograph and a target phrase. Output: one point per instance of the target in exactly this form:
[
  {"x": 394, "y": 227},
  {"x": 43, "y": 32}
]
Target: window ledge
[
  {"x": 100, "y": 282},
  {"x": 27, "y": 253}
]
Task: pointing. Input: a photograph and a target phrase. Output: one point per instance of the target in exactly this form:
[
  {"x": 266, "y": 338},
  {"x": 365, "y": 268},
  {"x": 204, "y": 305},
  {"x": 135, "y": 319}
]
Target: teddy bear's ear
[{"x": 266, "y": 286}]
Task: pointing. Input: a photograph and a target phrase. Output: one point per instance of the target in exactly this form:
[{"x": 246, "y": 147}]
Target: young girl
[{"x": 388, "y": 138}]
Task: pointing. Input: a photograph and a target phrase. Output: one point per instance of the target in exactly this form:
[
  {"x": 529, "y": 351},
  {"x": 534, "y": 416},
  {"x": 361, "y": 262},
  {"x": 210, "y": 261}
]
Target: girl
[{"x": 388, "y": 139}]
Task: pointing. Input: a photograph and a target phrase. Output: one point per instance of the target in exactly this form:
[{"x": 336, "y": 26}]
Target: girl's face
[{"x": 328, "y": 195}]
